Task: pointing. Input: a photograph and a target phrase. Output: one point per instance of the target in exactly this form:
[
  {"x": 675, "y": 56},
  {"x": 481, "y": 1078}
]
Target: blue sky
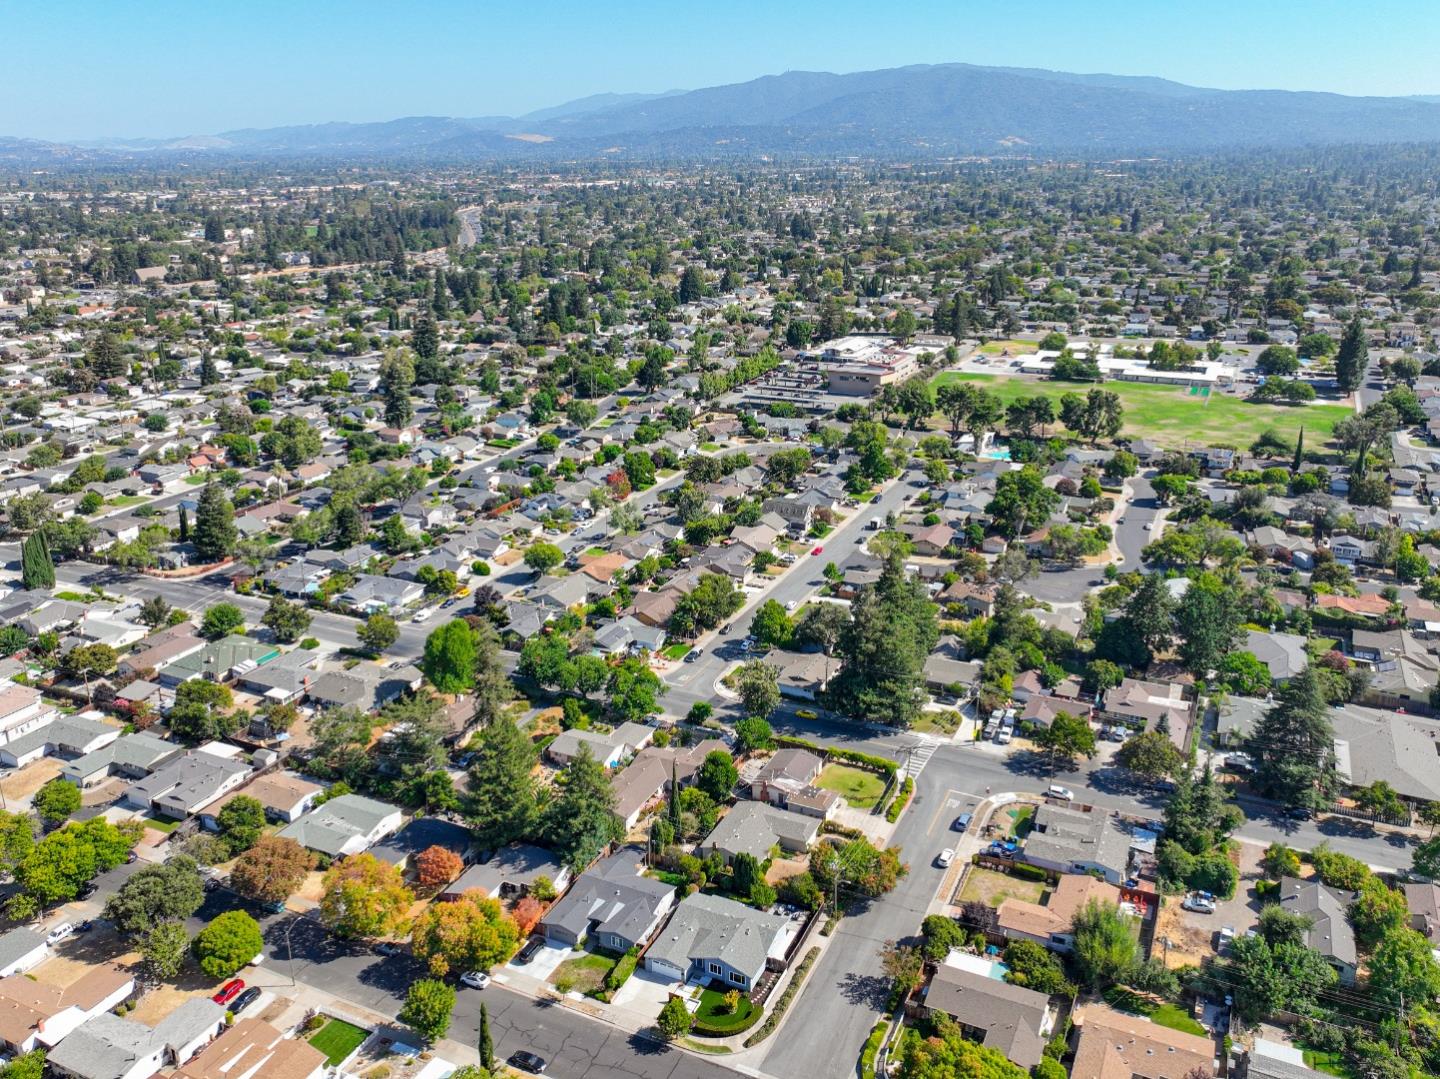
[{"x": 87, "y": 68}]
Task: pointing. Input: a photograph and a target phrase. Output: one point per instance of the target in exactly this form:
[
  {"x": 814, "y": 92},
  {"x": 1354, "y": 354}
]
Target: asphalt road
[
  {"x": 695, "y": 681},
  {"x": 1067, "y": 586}
]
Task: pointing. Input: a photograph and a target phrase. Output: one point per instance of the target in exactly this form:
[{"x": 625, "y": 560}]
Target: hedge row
[
  {"x": 1028, "y": 872},
  {"x": 777, "y": 1011},
  {"x": 850, "y": 756},
  {"x": 901, "y": 800}
]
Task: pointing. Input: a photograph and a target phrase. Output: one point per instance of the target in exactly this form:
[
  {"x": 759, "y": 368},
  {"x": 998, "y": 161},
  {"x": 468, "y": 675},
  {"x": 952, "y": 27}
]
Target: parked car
[
  {"x": 961, "y": 822},
  {"x": 85, "y": 926},
  {"x": 1300, "y": 813},
  {"x": 475, "y": 979},
  {"x": 1002, "y": 848},
  {"x": 1223, "y": 939},
  {"x": 527, "y": 953},
  {"x": 389, "y": 947},
  {"x": 944, "y": 858},
  {"x": 229, "y": 991},
  {"x": 245, "y": 999},
  {"x": 59, "y": 933},
  {"x": 818, "y": 550},
  {"x": 1057, "y": 791},
  {"x": 527, "y": 1062},
  {"x": 1197, "y": 903}
]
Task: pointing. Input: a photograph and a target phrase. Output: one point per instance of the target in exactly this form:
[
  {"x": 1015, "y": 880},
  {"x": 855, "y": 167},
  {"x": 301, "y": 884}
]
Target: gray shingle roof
[{"x": 713, "y": 927}]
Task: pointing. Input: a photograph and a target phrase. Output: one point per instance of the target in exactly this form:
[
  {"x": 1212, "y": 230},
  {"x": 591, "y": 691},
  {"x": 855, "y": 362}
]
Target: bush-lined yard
[
  {"x": 337, "y": 1039},
  {"x": 860, "y": 788}
]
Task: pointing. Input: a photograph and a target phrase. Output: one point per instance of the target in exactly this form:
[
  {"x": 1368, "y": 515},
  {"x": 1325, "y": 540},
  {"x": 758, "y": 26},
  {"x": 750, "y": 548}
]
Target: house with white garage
[
  {"x": 108, "y": 1046},
  {"x": 131, "y": 756},
  {"x": 65, "y": 736},
  {"x": 759, "y": 830},
  {"x": 349, "y": 824},
  {"x": 611, "y": 904},
  {"x": 22, "y": 710},
  {"x": 21, "y": 949},
  {"x": 36, "y": 1014},
  {"x": 188, "y": 784},
  {"x": 711, "y": 939}
]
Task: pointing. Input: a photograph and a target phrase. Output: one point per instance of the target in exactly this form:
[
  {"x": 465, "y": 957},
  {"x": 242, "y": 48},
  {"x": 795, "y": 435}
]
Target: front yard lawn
[
  {"x": 712, "y": 1012},
  {"x": 992, "y": 888},
  {"x": 586, "y": 972},
  {"x": 860, "y": 788},
  {"x": 937, "y": 722},
  {"x": 676, "y": 651},
  {"x": 337, "y": 1039},
  {"x": 1017, "y": 821},
  {"x": 125, "y": 501},
  {"x": 160, "y": 824}
]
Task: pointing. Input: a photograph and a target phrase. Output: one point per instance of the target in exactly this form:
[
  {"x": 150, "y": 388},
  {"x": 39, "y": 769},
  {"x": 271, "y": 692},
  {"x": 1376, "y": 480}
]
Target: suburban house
[
  {"x": 349, "y": 824},
  {"x": 1117, "y": 1045},
  {"x": 1330, "y": 933},
  {"x": 1010, "y": 1019},
  {"x": 65, "y": 736},
  {"x": 510, "y": 873},
  {"x": 22, "y": 710},
  {"x": 757, "y": 829},
  {"x": 131, "y": 756},
  {"x": 609, "y": 749},
  {"x": 35, "y": 1014},
  {"x": 612, "y": 904},
  {"x": 1284, "y": 654},
  {"x": 21, "y": 949},
  {"x": 284, "y": 795},
  {"x": 713, "y": 939},
  {"x": 1148, "y": 705},
  {"x": 648, "y": 776},
  {"x": 788, "y": 780},
  {"x": 110, "y": 1047},
  {"x": 253, "y": 1049},
  {"x": 218, "y": 661},
  {"x": 1067, "y": 840},
  {"x": 162, "y": 647},
  {"x": 189, "y": 784},
  {"x": 1049, "y": 923},
  {"x": 422, "y": 833},
  {"x": 1422, "y": 899},
  {"x": 366, "y": 687}
]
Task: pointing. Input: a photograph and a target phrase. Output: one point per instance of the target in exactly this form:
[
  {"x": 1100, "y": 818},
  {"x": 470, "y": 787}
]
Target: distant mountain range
[{"x": 934, "y": 110}]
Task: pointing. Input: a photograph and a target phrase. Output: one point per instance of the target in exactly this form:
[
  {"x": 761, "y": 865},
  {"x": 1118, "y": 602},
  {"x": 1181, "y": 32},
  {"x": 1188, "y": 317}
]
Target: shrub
[
  {"x": 900, "y": 801},
  {"x": 872, "y": 1049},
  {"x": 1339, "y": 870},
  {"x": 621, "y": 971},
  {"x": 1028, "y": 872}
]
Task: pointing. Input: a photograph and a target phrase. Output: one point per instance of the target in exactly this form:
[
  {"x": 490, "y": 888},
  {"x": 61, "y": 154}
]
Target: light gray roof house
[
  {"x": 344, "y": 825},
  {"x": 755, "y": 828},
  {"x": 1073, "y": 841},
  {"x": 193, "y": 1023},
  {"x": 711, "y": 937},
  {"x": 1010, "y": 1019},
  {"x": 20, "y": 949},
  {"x": 106, "y": 1046},
  {"x": 188, "y": 784},
  {"x": 131, "y": 755},
  {"x": 1330, "y": 933}
]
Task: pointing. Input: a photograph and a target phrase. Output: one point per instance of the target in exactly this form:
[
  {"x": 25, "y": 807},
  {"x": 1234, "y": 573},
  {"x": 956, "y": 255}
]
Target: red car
[
  {"x": 229, "y": 991},
  {"x": 818, "y": 550}
]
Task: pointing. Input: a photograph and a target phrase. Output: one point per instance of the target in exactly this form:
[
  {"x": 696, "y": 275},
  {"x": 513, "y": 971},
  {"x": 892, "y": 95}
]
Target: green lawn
[
  {"x": 1017, "y": 820},
  {"x": 676, "y": 651},
  {"x": 1165, "y": 1015},
  {"x": 712, "y": 1011},
  {"x": 585, "y": 972},
  {"x": 937, "y": 722},
  {"x": 1323, "y": 1060},
  {"x": 993, "y": 888},
  {"x": 709, "y": 447},
  {"x": 860, "y": 788},
  {"x": 337, "y": 1039},
  {"x": 1170, "y": 414},
  {"x": 160, "y": 824},
  {"x": 125, "y": 500},
  {"x": 198, "y": 481}
]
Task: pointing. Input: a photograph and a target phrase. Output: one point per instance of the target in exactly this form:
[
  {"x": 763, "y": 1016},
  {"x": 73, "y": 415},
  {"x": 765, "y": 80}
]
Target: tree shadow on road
[
  {"x": 865, "y": 990},
  {"x": 647, "y": 1044}
]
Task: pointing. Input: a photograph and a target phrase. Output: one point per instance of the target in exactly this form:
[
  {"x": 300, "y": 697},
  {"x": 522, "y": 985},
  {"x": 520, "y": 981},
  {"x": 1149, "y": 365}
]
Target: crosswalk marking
[{"x": 917, "y": 756}]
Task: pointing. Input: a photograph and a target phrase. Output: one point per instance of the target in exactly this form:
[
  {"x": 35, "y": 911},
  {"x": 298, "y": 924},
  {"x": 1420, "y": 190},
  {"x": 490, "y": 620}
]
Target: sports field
[{"x": 1173, "y": 415}]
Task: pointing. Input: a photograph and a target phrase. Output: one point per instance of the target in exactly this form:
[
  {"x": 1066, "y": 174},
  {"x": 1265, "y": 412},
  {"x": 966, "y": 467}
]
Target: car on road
[
  {"x": 1198, "y": 904},
  {"x": 1148, "y": 526},
  {"x": 1300, "y": 813},
  {"x": 961, "y": 822},
  {"x": 527, "y": 1062},
  {"x": 245, "y": 999},
  {"x": 475, "y": 979},
  {"x": 59, "y": 933},
  {"x": 527, "y": 953},
  {"x": 1057, "y": 791},
  {"x": 818, "y": 550},
  {"x": 229, "y": 991},
  {"x": 87, "y": 889},
  {"x": 944, "y": 858},
  {"x": 389, "y": 947},
  {"x": 806, "y": 713},
  {"x": 421, "y": 616},
  {"x": 85, "y": 926},
  {"x": 691, "y": 656},
  {"x": 790, "y": 606}
]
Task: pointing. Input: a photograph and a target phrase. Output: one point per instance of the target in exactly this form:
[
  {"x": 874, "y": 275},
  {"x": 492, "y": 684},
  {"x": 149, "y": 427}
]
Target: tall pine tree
[
  {"x": 502, "y": 789},
  {"x": 1293, "y": 745},
  {"x": 37, "y": 568},
  {"x": 214, "y": 524},
  {"x": 1353, "y": 357},
  {"x": 487, "y": 1047}
]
